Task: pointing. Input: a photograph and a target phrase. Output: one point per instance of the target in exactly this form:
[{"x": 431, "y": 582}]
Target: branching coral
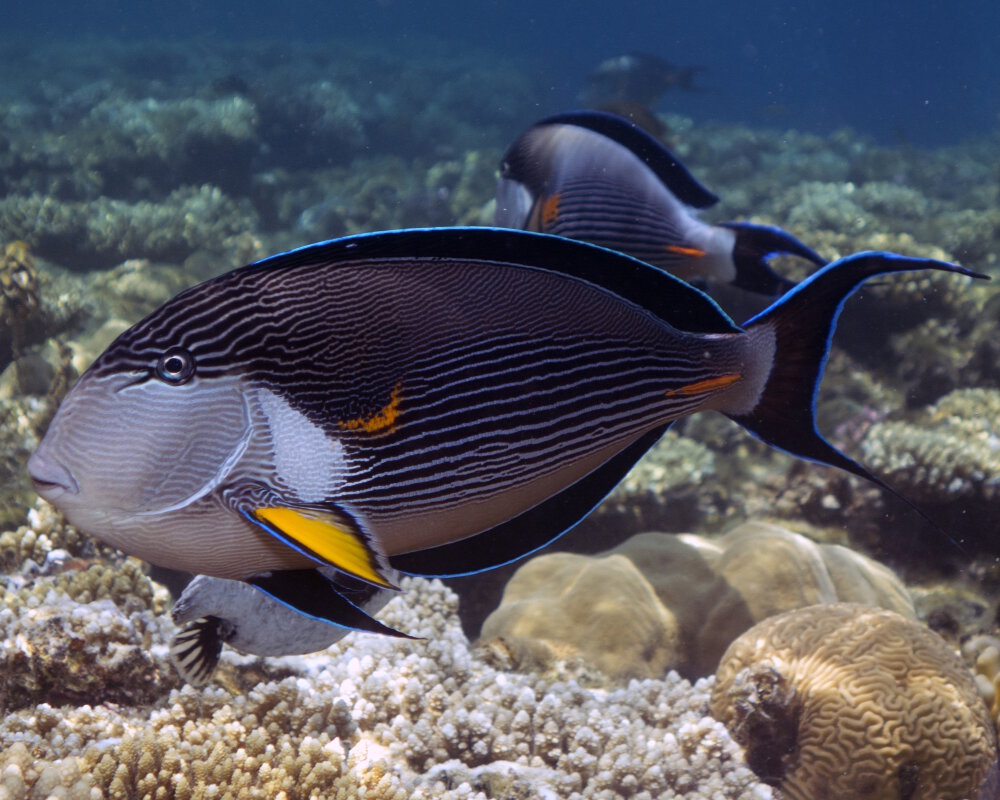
[
  {"x": 951, "y": 453},
  {"x": 379, "y": 718}
]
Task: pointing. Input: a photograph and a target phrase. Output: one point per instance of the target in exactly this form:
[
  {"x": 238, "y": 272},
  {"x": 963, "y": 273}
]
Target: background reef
[{"x": 128, "y": 172}]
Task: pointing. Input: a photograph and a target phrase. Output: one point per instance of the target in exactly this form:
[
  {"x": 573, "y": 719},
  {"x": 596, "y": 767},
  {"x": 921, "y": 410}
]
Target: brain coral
[
  {"x": 845, "y": 700},
  {"x": 658, "y": 601}
]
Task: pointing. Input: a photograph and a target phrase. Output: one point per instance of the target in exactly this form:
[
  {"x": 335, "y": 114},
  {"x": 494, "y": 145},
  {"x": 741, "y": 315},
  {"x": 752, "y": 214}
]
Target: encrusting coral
[
  {"x": 659, "y": 602},
  {"x": 982, "y": 652},
  {"x": 851, "y": 701}
]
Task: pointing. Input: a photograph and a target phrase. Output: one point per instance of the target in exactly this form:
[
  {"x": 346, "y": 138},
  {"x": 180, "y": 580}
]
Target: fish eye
[{"x": 175, "y": 366}]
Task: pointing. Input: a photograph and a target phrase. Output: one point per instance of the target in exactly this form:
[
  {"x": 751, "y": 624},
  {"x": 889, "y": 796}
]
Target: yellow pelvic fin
[
  {"x": 705, "y": 386},
  {"x": 331, "y": 538},
  {"x": 382, "y": 421},
  {"x": 680, "y": 250}
]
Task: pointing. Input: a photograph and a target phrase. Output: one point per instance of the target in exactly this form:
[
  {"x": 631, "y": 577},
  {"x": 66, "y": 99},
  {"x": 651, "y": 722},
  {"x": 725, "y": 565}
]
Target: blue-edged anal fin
[
  {"x": 532, "y": 529},
  {"x": 310, "y": 592},
  {"x": 330, "y": 537}
]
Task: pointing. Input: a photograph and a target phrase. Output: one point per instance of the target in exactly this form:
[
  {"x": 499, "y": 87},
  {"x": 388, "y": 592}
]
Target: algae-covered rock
[
  {"x": 659, "y": 602},
  {"x": 61, "y": 651}
]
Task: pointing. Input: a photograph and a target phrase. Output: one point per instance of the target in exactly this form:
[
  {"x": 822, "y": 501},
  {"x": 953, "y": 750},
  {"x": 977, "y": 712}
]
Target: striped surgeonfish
[
  {"x": 598, "y": 177},
  {"x": 435, "y": 402}
]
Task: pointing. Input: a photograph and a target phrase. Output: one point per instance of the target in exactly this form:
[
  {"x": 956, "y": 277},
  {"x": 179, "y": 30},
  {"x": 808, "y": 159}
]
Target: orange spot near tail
[
  {"x": 550, "y": 210},
  {"x": 694, "y": 252},
  {"x": 706, "y": 386},
  {"x": 382, "y": 420}
]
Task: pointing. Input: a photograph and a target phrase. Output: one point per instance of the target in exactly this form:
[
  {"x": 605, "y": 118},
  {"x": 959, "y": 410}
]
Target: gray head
[{"x": 141, "y": 445}]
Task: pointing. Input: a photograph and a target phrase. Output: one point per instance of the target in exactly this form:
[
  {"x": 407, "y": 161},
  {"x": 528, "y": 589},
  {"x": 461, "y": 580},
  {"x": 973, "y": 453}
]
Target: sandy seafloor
[{"x": 129, "y": 172}]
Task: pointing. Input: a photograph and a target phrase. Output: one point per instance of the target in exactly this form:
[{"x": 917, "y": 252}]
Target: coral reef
[
  {"x": 659, "y": 602},
  {"x": 99, "y": 170},
  {"x": 950, "y": 454},
  {"x": 156, "y": 164},
  {"x": 851, "y": 701},
  {"x": 103, "y": 231},
  {"x": 18, "y": 438},
  {"x": 379, "y": 718},
  {"x": 75, "y": 628}
]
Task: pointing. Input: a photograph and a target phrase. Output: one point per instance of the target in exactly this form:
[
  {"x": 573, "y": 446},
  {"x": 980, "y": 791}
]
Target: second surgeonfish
[
  {"x": 436, "y": 402},
  {"x": 598, "y": 177}
]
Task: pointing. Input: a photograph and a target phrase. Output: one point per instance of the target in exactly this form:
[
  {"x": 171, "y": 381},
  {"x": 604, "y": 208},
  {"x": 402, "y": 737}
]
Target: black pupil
[{"x": 174, "y": 365}]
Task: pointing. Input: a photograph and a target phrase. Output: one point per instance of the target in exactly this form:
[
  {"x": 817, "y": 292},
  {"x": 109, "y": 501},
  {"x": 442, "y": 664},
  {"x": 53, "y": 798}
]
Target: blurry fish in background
[
  {"x": 598, "y": 177},
  {"x": 431, "y": 402},
  {"x": 636, "y": 78}
]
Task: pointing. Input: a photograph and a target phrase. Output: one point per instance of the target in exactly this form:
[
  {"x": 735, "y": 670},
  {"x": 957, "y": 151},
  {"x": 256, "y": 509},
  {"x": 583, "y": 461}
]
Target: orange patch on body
[
  {"x": 694, "y": 252},
  {"x": 550, "y": 210},
  {"x": 705, "y": 386},
  {"x": 382, "y": 421}
]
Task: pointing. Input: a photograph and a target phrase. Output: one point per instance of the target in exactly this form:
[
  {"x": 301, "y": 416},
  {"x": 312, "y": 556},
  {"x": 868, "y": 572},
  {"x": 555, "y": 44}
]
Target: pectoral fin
[
  {"x": 332, "y": 538},
  {"x": 196, "y": 648}
]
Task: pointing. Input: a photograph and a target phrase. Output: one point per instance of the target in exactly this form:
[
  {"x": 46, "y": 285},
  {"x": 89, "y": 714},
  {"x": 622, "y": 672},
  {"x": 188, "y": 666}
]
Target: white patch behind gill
[{"x": 312, "y": 464}]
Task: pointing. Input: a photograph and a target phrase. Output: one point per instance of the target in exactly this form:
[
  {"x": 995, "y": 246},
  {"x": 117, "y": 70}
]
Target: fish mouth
[{"x": 50, "y": 478}]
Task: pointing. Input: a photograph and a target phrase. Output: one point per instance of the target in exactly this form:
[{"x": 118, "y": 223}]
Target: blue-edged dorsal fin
[
  {"x": 675, "y": 302},
  {"x": 333, "y": 538},
  {"x": 532, "y": 529},
  {"x": 667, "y": 167},
  {"x": 310, "y": 592}
]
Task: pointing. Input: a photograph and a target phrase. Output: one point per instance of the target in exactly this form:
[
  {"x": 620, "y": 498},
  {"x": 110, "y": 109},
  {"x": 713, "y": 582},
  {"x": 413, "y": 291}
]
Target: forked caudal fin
[
  {"x": 754, "y": 246},
  {"x": 802, "y": 324}
]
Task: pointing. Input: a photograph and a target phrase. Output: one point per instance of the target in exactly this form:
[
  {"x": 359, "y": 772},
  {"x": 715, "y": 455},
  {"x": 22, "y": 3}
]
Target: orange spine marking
[
  {"x": 383, "y": 421},
  {"x": 550, "y": 210},
  {"x": 705, "y": 386},
  {"x": 694, "y": 252}
]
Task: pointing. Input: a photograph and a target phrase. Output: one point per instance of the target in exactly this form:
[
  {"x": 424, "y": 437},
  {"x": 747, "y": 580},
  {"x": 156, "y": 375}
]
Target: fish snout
[{"x": 50, "y": 478}]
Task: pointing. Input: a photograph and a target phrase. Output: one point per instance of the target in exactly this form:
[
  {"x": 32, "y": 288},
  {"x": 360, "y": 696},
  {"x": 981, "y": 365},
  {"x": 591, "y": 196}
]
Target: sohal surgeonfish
[
  {"x": 598, "y": 177},
  {"x": 436, "y": 402}
]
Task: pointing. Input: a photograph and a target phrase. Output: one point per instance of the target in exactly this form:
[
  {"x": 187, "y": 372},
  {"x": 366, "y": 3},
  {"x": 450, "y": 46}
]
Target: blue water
[{"x": 921, "y": 72}]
